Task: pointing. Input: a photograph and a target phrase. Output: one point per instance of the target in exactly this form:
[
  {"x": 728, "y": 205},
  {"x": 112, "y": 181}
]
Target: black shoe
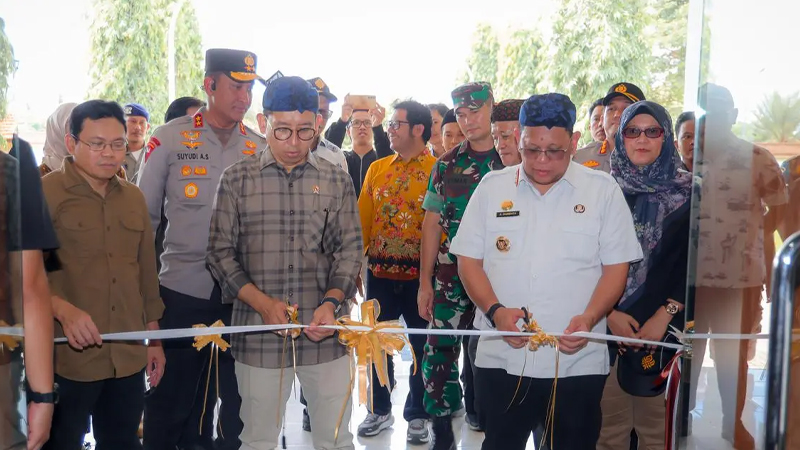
[
  {"x": 443, "y": 438},
  {"x": 306, "y": 420}
]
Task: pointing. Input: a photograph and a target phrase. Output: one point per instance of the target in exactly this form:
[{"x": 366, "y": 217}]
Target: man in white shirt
[{"x": 555, "y": 238}]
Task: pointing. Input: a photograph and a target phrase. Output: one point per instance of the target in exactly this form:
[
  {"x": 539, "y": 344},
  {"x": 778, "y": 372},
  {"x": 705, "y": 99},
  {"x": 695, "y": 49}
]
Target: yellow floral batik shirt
[{"x": 391, "y": 214}]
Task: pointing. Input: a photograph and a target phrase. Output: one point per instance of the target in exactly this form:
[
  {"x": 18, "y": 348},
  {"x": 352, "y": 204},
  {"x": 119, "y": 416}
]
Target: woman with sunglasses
[{"x": 647, "y": 167}]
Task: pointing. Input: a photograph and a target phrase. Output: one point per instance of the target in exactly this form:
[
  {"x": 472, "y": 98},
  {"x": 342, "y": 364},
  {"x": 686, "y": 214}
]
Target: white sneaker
[{"x": 374, "y": 424}]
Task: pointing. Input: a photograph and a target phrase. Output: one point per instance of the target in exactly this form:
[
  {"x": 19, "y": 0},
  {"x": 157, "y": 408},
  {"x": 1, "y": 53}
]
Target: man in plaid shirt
[{"x": 286, "y": 231}]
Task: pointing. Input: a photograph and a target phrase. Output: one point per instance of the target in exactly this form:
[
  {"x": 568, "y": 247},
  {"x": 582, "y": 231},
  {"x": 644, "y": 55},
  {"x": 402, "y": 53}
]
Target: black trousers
[
  {"x": 399, "y": 298},
  {"x": 577, "y": 411},
  {"x": 115, "y": 406},
  {"x": 173, "y": 409},
  {"x": 469, "y": 363},
  {"x": 468, "y": 377}
]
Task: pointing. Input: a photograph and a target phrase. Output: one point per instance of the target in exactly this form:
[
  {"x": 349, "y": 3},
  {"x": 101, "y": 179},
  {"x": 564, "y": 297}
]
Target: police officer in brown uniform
[
  {"x": 597, "y": 155},
  {"x": 183, "y": 164}
]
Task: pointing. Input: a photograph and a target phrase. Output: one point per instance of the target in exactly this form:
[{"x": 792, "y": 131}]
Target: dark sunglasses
[{"x": 652, "y": 132}]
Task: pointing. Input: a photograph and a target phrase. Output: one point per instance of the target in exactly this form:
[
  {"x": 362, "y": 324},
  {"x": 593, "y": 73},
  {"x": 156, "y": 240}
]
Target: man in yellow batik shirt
[{"x": 391, "y": 211}]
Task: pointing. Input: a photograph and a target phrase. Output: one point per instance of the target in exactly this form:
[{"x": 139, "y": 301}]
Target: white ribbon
[{"x": 192, "y": 332}]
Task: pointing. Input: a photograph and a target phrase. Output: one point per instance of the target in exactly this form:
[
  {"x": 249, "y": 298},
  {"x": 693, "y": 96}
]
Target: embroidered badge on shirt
[
  {"x": 251, "y": 148},
  {"x": 591, "y": 163},
  {"x": 580, "y": 209},
  {"x": 200, "y": 170},
  {"x": 503, "y": 244},
  {"x": 190, "y": 190},
  {"x": 242, "y": 129},
  {"x": 198, "y": 121},
  {"x": 151, "y": 145},
  {"x": 191, "y": 135},
  {"x": 186, "y": 171},
  {"x": 506, "y": 205},
  {"x": 192, "y": 145}
]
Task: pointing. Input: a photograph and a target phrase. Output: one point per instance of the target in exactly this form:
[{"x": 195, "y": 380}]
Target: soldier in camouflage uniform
[{"x": 446, "y": 305}]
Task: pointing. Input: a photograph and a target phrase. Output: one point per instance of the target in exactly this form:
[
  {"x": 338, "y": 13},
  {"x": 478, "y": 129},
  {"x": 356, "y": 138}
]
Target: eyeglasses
[
  {"x": 652, "y": 132},
  {"x": 119, "y": 145},
  {"x": 360, "y": 123},
  {"x": 395, "y": 124},
  {"x": 325, "y": 113},
  {"x": 552, "y": 154},
  {"x": 284, "y": 134}
]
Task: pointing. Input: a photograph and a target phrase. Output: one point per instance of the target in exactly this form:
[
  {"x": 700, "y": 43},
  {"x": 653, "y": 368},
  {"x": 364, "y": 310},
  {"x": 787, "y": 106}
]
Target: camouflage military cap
[{"x": 472, "y": 95}]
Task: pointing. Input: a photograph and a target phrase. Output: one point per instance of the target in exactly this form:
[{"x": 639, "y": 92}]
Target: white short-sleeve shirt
[
  {"x": 331, "y": 153},
  {"x": 546, "y": 253}
]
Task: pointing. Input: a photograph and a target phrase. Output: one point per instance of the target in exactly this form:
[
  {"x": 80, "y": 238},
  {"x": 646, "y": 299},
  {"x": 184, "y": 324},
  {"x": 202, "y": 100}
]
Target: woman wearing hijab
[
  {"x": 647, "y": 167},
  {"x": 55, "y": 148}
]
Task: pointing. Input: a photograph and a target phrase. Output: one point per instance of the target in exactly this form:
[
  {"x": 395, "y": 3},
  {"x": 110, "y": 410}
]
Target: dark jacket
[{"x": 356, "y": 164}]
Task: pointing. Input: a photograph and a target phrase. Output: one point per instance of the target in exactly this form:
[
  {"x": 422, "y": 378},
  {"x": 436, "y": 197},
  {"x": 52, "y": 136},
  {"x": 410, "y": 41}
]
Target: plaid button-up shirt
[{"x": 295, "y": 236}]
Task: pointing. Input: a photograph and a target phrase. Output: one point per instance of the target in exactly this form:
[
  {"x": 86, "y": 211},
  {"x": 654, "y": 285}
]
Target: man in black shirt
[
  {"x": 35, "y": 237},
  {"x": 363, "y": 153}
]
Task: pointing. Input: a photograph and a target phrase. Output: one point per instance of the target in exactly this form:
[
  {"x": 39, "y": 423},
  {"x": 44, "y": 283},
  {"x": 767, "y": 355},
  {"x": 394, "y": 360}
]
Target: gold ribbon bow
[
  {"x": 217, "y": 343},
  {"x": 537, "y": 340},
  {"x": 371, "y": 348},
  {"x": 7, "y": 341}
]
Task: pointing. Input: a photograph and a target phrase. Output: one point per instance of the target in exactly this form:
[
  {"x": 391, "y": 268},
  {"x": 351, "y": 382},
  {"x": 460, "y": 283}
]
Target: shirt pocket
[
  {"x": 80, "y": 235},
  {"x": 317, "y": 217},
  {"x": 131, "y": 231},
  {"x": 580, "y": 240},
  {"x": 195, "y": 187}
]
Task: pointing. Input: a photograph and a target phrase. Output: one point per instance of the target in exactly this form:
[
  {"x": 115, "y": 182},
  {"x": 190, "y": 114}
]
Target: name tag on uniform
[
  {"x": 459, "y": 179},
  {"x": 507, "y": 213}
]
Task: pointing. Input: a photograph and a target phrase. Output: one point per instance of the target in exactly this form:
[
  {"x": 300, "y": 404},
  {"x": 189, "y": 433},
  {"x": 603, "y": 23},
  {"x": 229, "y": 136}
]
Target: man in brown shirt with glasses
[{"x": 107, "y": 284}]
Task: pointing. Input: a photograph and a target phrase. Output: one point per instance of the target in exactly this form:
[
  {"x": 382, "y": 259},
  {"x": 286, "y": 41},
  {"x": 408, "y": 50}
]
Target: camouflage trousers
[{"x": 452, "y": 309}]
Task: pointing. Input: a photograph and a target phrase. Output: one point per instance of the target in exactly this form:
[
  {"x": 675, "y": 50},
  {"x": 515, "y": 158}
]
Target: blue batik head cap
[
  {"x": 548, "y": 110},
  {"x": 286, "y": 94}
]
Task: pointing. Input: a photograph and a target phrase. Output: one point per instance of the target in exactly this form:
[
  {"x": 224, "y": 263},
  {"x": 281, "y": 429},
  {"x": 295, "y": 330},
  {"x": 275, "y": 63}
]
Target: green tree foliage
[
  {"x": 482, "y": 64},
  {"x": 597, "y": 43},
  {"x": 668, "y": 69},
  {"x": 6, "y": 67},
  {"x": 778, "y": 118},
  {"x": 521, "y": 74},
  {"x": 129, "y": 48}
]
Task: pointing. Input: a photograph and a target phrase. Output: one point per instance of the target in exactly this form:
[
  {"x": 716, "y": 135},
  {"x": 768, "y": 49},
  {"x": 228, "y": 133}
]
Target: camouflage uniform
[{"x": 453, "y": 180}]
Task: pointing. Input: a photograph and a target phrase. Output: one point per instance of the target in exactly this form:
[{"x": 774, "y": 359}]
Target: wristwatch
[
  {"x": 672, "y": 308},
  {"x": 36, "y": 397},
  {"x": 337, "y": 305},
  {"x": 490, "y": 313}
]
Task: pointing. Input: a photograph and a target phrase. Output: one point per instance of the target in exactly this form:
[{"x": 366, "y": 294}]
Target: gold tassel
[
  {"x": 371, "y": 348},
  {"x": 7, "y": 342},
  {"x": 217, "y": 343}
]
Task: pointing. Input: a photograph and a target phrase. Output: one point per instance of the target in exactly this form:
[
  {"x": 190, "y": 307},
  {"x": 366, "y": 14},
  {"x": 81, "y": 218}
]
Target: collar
[
  {"x": 73, "y": 178},
  {"x": 572, "y": 176},
  {"x": 324, "y": 143},
  {"x": 419, "y": 158},
  {"x": 199, "y": 121},
  {"x": 268, "y": 159},
  {"x": 463, "y": 147}
]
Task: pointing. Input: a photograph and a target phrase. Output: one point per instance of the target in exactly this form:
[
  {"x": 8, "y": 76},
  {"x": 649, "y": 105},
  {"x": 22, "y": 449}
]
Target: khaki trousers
[
  {"x": 623, "y": 412},
  {"x": 325, "y": 386}
]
